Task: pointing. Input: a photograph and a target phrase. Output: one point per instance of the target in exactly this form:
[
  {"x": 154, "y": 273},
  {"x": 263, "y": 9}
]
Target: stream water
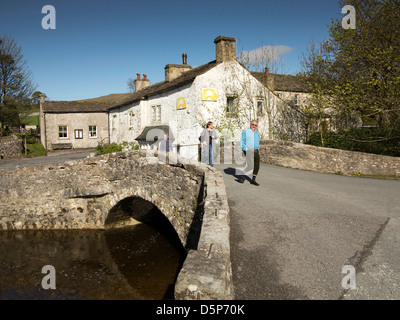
[{"x": 136, "y": 262}]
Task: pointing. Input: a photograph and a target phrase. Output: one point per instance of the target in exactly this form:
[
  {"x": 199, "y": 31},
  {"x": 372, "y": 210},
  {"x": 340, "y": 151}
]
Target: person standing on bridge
[
  {"x": 207, "y": 138},
  {"x": 250, "y": 144},
  {"x": 165, "y": 146}
]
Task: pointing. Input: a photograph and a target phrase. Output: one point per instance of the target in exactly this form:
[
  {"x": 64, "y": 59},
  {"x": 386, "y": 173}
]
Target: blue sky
[{"x": 99, "y": 44}]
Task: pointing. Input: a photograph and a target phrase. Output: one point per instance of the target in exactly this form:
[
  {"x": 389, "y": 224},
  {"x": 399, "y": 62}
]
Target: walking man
[{"x": 250, "y": 144}]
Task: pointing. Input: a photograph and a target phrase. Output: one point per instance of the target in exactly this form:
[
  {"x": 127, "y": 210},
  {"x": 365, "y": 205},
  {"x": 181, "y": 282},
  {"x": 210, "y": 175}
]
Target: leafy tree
[
  {"x": 35, "y": 98},
  {"x": 16, "y": 84},
  {"x": 356, "y": 72},
  {"x": 366, "y": 61}
]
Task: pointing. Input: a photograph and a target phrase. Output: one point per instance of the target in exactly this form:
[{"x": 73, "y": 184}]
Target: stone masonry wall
[
  {"x": 79, "y": 194},
  {"x": 11, "y": 147},
  {"x": 326, "y": 160}
]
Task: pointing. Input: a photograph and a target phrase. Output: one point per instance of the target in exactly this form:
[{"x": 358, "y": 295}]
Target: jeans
[{"x": 208, "y": 155}]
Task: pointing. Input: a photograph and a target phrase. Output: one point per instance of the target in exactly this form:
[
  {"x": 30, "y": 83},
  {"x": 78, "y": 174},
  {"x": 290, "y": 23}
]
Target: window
[
  {"x": 78, "y": 134},
  {"x": 296, "y": 99},
  {"x": 156, "y": 113},
  {"x": 62, "y": 132},
  {"x": 131, "y": 114},
  {"x": 231, "y": 105},
  {"x": 92, "y": 131},
  {"x": 260, "y": 106}
]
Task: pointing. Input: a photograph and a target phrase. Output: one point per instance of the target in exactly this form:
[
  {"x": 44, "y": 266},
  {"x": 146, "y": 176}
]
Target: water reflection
[{"x": 136, "y": 262}]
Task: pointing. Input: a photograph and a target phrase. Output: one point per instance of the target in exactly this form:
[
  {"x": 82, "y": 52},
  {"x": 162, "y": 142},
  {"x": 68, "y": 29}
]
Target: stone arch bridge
[{"x": 89, "y": 193}]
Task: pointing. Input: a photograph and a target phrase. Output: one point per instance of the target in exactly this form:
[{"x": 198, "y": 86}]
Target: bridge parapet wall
[
  {"x": 327, "y": 160},
  {"x": 80, "y": 194}
]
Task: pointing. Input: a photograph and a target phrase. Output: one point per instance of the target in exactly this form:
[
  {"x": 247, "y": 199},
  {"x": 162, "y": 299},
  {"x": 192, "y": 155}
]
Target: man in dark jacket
[{"x": 165, "y": 146}]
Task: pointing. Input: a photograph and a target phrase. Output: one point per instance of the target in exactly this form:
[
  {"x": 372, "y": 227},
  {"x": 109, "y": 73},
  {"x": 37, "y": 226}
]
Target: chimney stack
[
  {"x": 141, "y": 83},
  {"x": 173, "y": 71},
  {"x": 225, "y": 49}
]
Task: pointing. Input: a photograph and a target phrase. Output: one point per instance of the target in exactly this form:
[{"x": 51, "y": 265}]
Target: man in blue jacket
[{"x": 250, "y": 144}]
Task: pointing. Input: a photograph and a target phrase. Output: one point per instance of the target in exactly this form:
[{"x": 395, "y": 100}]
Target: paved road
[
  {"x": 292, "y": 235},
  {"x": 52, "y": 157}
]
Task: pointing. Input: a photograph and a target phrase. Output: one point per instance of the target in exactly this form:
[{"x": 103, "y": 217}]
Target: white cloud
[{"x": 265, "y": 54}]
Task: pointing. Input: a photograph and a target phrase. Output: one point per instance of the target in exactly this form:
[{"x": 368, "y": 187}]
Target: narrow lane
[{"x": 292, "y": 235}]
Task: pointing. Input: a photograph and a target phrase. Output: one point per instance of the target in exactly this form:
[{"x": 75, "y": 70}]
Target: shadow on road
[{"x": 236, "y": 173}]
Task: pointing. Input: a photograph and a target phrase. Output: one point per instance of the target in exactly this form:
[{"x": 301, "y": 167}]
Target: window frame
[
  {"x": 61, "y": 132},
  {"x": 231, "y": 108},
  {"x": 258, "y": 100},
  {"x": 156, "y": 113},
  {"x": 90, "y": 132},
  {"x": 78, "y": 133}
]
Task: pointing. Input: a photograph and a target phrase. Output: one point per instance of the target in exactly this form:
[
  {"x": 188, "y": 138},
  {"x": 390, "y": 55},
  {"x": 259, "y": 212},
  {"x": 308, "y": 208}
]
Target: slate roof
[
  {"x": 163, "y": 86},
  {"x": 100, "y": 104},
  {"x": 282, "y": 82},
  {"x": 105, "y": 103},
  {"x": 159, "y": 130}
]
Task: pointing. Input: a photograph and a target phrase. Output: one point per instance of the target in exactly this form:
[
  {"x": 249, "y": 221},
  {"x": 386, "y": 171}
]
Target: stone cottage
[{"x": 222, "y": 91}]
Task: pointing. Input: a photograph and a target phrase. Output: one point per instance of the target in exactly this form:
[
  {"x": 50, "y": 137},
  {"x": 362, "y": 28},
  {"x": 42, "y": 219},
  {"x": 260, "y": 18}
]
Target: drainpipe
[{"x": 45, "y": 131}]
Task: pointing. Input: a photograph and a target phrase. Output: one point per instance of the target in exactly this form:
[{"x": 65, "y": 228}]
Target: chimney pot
[
  {"x": 266, "y": 71},
  {"x": 184, "y": 58},
  {"x": 138, "y": 75},
  {"x": 141, "y": 83}
]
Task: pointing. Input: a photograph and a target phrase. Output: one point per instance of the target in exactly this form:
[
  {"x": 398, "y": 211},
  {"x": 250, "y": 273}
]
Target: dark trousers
[{"x": 252, "y": 161}]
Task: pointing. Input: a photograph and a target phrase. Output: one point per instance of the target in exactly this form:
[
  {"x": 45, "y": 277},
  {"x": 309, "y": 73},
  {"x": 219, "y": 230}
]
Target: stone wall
[
  {"x": 207, "y": 273},
  {"x": 75, "y": 121},
  {"x": 326, "y": 160},
  {"x": 80, "y": 194},
  {"x": 11, "y": 147}
]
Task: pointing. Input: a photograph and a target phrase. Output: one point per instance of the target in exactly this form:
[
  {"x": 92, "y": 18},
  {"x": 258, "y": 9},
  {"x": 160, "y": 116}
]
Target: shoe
[{"x": 254, "y": 183}]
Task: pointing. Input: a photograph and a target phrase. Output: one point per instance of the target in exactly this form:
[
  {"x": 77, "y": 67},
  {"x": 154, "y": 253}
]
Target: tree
[
  {"x": 366, "y": 62},
  {"x": 251, "y": 98},
  {"x": 316, "y": 73},
  {"x": 16, "y": 85},
  {"x": 35, "y": 98},
  {"x": 131, "y": 84},
  {"x": 363, "y": 63}
]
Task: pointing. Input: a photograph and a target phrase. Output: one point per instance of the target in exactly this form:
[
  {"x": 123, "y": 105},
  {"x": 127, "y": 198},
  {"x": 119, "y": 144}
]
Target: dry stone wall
[
  {"x": 327, "y": 160},
  {"x": 11, "y": 147}
]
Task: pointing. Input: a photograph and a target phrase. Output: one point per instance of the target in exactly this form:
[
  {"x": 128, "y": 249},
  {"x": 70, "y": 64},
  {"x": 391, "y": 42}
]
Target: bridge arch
[{"x": 134, "y": 210}]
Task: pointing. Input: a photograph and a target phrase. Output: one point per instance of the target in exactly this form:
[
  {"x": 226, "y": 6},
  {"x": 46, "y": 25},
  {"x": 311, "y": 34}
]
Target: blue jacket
[{"x": 250, "y": 140}]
